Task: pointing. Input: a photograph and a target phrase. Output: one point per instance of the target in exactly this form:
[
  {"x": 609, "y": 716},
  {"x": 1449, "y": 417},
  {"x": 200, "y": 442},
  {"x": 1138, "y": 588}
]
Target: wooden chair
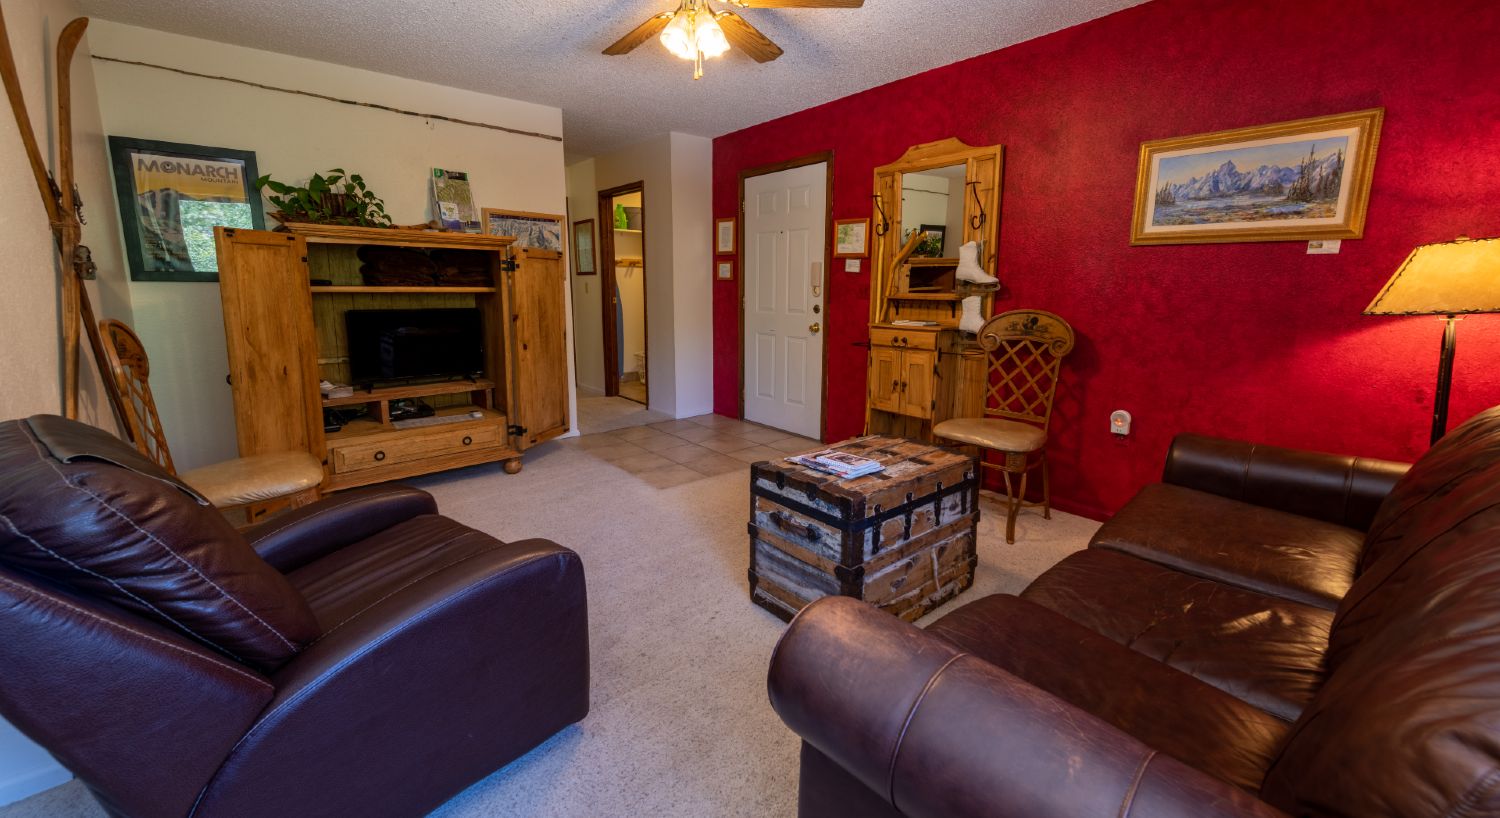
[
  {"x": 258, "y": 484},
  {"x": 1025, "y": 350}
]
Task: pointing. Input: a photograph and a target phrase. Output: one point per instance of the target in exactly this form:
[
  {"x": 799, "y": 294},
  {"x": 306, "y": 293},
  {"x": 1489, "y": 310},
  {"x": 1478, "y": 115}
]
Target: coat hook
[
  {"x": 977, "y": 220},
  {"x": 884, "y": 225}
]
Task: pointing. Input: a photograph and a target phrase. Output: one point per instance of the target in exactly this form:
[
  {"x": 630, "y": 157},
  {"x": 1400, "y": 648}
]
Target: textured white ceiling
[{"x": 547, "y": 51}]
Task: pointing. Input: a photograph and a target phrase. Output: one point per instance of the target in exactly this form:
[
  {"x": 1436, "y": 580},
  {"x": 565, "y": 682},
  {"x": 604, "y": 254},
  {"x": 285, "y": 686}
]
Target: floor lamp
[{"x": 1451, "y": 278}]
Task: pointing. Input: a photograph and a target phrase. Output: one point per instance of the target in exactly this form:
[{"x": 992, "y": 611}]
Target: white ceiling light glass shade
[
  {"x": 678, "y": 36},
  {"x": 708, "y": 35}
]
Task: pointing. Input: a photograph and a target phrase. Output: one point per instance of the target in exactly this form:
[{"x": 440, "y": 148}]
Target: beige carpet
[{"x": 680, "y": 725}]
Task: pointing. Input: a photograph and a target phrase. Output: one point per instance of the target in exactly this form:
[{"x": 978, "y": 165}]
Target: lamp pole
[{"x": 1445, "y": 380}]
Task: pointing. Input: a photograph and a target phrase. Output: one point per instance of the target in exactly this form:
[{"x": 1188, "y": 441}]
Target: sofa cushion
[
  {"x": 1166, "y": 709},
  {"x": 1408, "y": 722},
  {"x": 354, "y": 578},
  {"x": 1262, "y": 649},
  {"x": 83, "y": 508},
  {"x": 1252, "y": 547},
  {"x": 1442, "y": 489}
]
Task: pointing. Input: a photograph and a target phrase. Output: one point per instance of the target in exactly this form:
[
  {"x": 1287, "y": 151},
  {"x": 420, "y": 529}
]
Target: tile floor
[{"x": 675, "y": 452}]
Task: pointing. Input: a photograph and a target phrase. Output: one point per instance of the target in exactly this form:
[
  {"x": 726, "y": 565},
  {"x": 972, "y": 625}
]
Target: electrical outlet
[{"x": 1119, "y": 422}]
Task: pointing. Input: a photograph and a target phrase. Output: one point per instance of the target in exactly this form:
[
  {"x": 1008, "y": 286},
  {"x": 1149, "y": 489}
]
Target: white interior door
[{"x": 786, "y": 216}]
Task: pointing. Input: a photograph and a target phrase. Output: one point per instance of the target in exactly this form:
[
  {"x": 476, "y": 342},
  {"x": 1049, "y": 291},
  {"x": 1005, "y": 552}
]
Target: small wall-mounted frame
[
  {"x": 583, "y": 248},
  {"x": 1287, "y": 181},
  {"x": 724, "y": 235},
  {"x": 724, "y": 269},
  {"x": 851, "y": 238},
  {"x": 540, "y": 231},
  {"x": 172, "y": 196}
]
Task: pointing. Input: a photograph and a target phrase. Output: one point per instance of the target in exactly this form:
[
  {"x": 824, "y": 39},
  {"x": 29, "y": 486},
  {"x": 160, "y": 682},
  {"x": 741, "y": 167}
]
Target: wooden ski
[{"x": 64, "y": 213}]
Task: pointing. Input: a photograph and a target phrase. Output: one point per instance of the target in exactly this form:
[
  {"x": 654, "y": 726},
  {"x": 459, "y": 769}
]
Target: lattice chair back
[
  {"x": 132, "y": 374},
  {"x": 1026, "y": 348}
]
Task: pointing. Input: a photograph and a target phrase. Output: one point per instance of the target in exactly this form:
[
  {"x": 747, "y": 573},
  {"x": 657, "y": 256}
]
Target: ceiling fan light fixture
[
  {"x": 678, "y": 37},
  {"x": 708, "y": 35}
]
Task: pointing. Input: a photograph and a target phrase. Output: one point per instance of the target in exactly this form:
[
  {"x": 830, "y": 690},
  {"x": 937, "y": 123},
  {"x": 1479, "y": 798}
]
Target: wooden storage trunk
[{"x": 902, "y": 539}]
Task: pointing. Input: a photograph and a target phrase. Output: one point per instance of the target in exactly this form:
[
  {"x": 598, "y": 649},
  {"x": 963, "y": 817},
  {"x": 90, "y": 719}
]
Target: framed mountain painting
[{"x": 1288, "y": 181}]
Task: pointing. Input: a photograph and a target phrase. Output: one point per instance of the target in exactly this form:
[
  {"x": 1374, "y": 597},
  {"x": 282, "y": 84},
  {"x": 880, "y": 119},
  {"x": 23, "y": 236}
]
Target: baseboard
[
  {"x": 33, "y": 781},
  {"x": 590, "y": 391}
]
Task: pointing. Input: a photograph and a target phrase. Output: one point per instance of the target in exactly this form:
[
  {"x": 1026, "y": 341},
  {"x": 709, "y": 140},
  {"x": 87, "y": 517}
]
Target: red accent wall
[{"x": 1259, "y": 341}]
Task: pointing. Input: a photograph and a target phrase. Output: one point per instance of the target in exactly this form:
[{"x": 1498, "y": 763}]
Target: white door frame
[{"x": 739, "y": 243}]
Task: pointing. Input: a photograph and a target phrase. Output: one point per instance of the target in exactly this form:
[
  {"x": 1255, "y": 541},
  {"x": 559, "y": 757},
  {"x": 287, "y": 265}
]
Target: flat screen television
[{"x": 407, "y": 345}]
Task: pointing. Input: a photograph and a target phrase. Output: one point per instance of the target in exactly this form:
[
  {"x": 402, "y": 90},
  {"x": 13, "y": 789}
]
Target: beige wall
[
  {"x": 588, "y": 339},
  {"x": 293, "y": 137},
  {"x": 676, "y": 171}
]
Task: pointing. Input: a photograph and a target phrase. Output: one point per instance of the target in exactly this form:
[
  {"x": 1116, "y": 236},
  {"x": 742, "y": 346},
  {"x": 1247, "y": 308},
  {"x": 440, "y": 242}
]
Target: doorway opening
[{"x": 622, "y": 291}]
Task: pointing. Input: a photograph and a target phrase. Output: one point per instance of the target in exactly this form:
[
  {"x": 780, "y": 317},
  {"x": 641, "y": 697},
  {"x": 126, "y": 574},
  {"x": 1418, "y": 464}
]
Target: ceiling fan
[{"x": 695, "y": 30}]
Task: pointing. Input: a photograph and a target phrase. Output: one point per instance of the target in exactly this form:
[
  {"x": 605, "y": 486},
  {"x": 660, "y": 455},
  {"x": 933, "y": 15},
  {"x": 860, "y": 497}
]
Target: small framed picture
[
  {"x": 851, "y": 238},
  {"x": 724, "y": 269},
  {"x": 724, "y": 235},
  {"x": 172, "y": 196},
  {"x": 540, "y": 231},
  {"x": 583, "y": 248}
]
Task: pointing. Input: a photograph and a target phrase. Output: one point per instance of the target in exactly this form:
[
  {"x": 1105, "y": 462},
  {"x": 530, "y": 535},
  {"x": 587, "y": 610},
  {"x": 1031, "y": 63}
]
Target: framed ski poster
[{"x": 172, "y": 196}]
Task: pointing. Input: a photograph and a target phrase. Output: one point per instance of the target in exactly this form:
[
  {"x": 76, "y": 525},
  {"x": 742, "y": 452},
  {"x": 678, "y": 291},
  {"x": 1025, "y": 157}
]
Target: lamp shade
[{"x": 1448, "y": 278}]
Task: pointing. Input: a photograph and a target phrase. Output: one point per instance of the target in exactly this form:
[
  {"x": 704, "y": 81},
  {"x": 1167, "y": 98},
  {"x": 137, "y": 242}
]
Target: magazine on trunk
[{"x": 836, "y": 462}]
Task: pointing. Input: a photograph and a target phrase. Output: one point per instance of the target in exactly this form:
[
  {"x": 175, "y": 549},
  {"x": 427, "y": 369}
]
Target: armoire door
[
  {"x": 268, "y": 332},
  {"x": 539, "y": 343}
]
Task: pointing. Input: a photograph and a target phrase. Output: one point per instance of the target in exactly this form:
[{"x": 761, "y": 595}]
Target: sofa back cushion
[
  {"x": 1408, "y": 720},
  {"x": 81, "y": 507}
]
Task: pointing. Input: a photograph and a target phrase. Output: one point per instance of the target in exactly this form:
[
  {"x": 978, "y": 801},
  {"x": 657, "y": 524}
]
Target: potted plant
[{"x": 337, "y": 198}]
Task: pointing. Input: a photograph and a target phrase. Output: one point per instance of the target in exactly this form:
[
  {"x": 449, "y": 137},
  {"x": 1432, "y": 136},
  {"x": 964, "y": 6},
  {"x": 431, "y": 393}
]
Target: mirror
[{"x": 932, "y": 202}]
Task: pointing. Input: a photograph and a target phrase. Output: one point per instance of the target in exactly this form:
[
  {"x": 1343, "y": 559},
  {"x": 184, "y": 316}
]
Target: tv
[{"x": 407, "y": 345}]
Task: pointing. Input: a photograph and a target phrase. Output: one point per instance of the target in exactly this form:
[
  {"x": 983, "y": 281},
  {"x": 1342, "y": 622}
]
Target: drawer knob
[
  {"x": 468, "y": 440},
  {"x": 380, "y": 455}
]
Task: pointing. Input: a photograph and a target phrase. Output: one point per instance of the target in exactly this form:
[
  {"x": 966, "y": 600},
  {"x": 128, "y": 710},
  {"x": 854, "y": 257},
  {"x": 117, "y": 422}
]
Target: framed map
[{"x": 541, "y": 231}]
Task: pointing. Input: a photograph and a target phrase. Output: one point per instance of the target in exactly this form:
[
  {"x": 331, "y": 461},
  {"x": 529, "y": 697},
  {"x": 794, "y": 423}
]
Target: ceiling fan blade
[
  {"x": 746, "y": 37},
  {"x": 639, "y": 34},
  {"x": 798, "y": 4}
]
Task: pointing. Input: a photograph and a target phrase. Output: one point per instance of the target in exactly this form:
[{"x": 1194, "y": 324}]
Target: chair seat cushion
[
  {"x": 1264, "y": 650},
  {"x": 1166, "y": 709},
  {"x": 256, "y": 479},
  {"x": 993, "y": 433},
  {"x": 353, "y": 579},
  {"x": 78, "y": 506},
  {"x": 1260, "y": 549}
]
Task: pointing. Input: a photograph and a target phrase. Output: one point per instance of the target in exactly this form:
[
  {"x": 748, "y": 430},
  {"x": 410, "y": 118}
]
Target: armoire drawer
[
  {"x": 358, "y": 455},
  {"x": 905, "y": 337}
]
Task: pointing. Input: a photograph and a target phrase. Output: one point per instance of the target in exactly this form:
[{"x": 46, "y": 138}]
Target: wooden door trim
[
  {"x": 607, "y": 285},
  {"x": 739, "y": 244}
]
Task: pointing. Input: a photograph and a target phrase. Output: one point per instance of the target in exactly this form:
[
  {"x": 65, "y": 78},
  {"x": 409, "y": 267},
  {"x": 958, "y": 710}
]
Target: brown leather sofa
[
  {"x": 358, "y": 656},
  {"x": 1264, "y": 632}
]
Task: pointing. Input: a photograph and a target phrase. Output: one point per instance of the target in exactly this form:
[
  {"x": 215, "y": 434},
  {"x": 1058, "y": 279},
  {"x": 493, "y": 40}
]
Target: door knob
[{"x": 814, "y": 327}]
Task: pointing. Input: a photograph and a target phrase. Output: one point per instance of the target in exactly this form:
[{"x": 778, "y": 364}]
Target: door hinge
[
  {"x": 517, "y": 430},
  {"x": 508, "y": 265}
]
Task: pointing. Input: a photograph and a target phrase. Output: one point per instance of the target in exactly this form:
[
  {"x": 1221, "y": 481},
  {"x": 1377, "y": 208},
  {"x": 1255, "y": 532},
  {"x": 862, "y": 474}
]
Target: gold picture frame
[
  {"x": 1288, "y": 181},
  {"x": 851, "y": 238},
  {"x": 724, "y": 236}
]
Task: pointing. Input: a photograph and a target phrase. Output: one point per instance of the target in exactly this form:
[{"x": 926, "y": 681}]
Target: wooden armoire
[{"x": 284, "y": 334}]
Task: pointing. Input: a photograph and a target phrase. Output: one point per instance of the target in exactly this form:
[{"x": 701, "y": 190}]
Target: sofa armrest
[
  {"x": 1334, "y": 488},
  {"x": 937, "y": 732},
  {"x": 453, "y": 675},
  {"x": 302, "y": 535}
]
